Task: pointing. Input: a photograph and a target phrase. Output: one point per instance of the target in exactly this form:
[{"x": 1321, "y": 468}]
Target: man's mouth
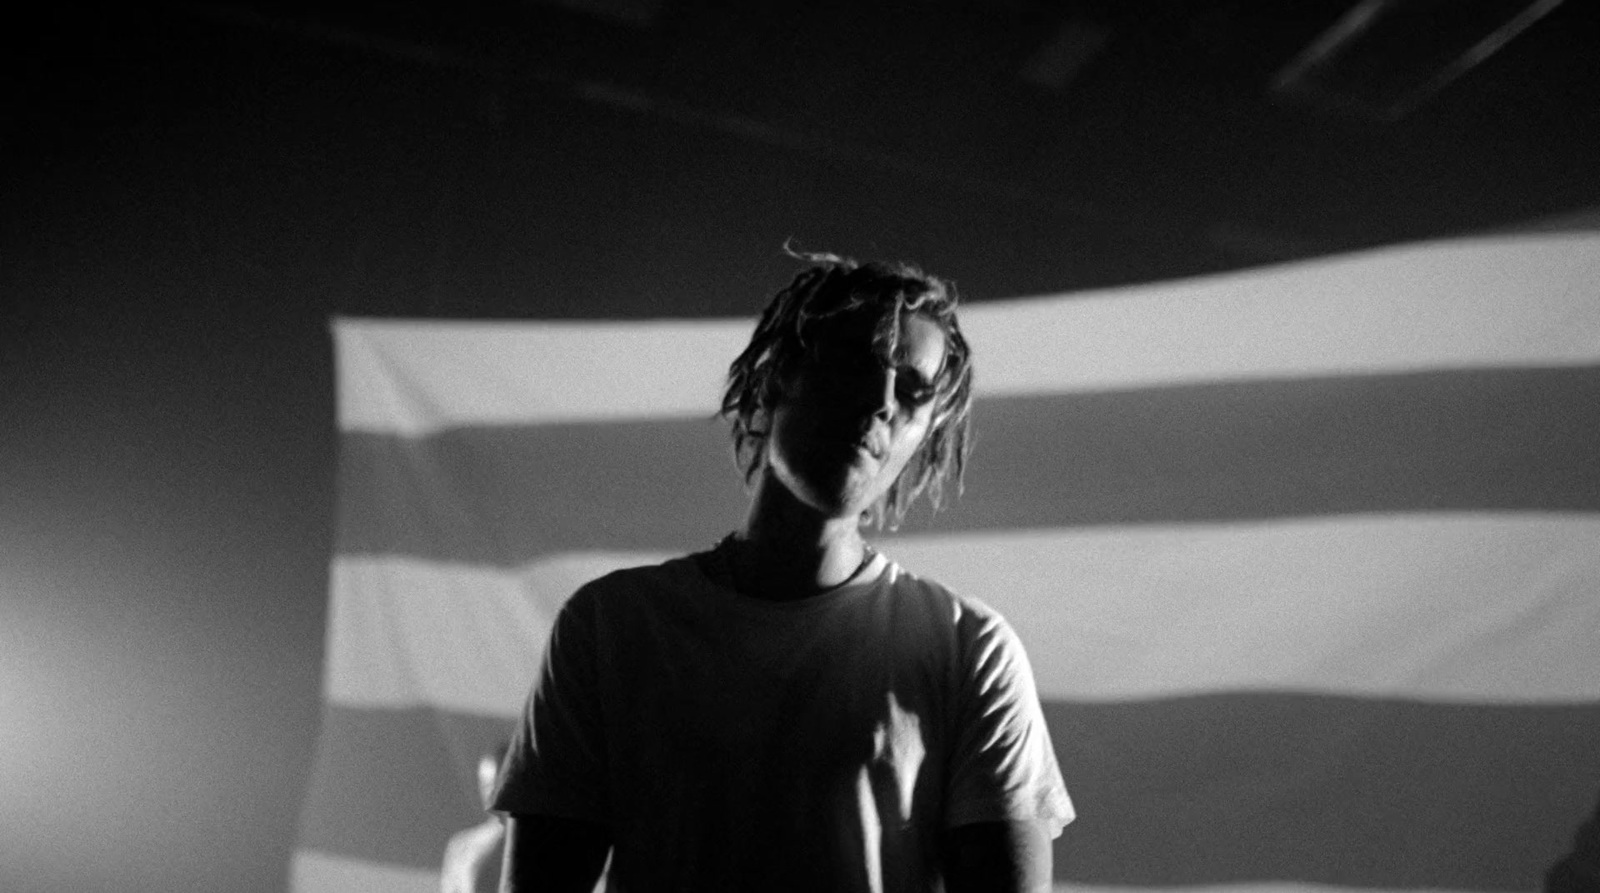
[{"x": 869, "y": 445}]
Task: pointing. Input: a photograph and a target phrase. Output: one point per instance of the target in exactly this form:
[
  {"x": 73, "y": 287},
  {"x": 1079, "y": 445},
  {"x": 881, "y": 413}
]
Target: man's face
[{"x": 855, "y": 411}]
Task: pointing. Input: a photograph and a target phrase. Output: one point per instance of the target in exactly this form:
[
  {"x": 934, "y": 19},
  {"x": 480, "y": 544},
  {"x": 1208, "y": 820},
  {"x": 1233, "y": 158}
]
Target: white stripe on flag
[
  {"x": 1498, "y": 302},
  {"x": 407, "y": 632},
  {"x": 1444, "y": 607},
  {"x": 310, "y": 870},
  {"x": 1469, "y": 607},
  {"x": 456, "y": 373}
]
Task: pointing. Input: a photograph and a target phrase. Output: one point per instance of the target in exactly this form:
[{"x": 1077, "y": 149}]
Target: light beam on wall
[{"x": 1384, "y": 58}]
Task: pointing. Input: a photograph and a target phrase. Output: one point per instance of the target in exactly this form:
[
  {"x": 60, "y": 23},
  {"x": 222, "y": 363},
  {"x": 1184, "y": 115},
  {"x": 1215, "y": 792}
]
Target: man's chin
[{"x": 849, "y": 493}]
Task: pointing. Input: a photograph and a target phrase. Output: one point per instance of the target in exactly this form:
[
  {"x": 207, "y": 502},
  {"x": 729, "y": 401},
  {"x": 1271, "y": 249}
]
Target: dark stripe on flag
[
  {"x": 1354, "y": 792},
  {"x": 1209, "y": 789},
  {"x": 1464, "y": 440},
  {"x": 393, "y": 785}
]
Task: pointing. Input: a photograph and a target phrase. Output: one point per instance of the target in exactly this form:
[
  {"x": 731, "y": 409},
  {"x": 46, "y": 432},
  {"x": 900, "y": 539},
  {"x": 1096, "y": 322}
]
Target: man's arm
[
  {"x": 544, "y": 853},
  {"x": 1002, "y": 857}
]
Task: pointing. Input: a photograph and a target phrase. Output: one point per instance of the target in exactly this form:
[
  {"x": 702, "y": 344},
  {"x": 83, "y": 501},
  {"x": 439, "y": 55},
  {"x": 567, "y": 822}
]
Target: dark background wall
[{"x": 190, "y": 192}]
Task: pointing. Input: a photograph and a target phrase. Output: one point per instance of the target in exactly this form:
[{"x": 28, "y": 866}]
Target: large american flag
[{"x": 1307, "y": 558}]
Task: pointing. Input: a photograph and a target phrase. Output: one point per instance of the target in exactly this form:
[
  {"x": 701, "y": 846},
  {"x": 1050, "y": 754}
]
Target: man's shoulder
[
  {"x": 964, "y": 609},
  {"x": 637, "y": 581}
]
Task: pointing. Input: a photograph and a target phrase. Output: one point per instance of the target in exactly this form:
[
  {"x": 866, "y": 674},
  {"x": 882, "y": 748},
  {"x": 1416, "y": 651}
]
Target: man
[
  {"x": 473, "y": 856},
  {"x": 791, "y": 709}
]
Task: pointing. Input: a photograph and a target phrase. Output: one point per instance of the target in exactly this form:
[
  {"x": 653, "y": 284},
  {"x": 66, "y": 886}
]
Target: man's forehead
[
  {"x": 919, "y": 340},
  {"x": 923, "y": 344},
  {"x": 867, "y": 321},
  {"x": 876, "y": 323}
]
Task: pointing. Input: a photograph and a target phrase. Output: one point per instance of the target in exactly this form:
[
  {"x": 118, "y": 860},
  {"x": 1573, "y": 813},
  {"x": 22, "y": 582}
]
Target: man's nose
[{"x": 879, "y": 389}]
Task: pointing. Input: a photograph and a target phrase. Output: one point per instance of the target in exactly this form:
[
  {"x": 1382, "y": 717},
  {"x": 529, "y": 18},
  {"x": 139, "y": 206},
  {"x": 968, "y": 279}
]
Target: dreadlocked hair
[{"x": 829, "y": 286}]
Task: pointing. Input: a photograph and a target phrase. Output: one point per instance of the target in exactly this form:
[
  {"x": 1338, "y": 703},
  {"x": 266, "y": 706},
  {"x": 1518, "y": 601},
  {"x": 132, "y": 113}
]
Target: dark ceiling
[
  {"x": 1164, "y": 118},
  {"x": 1158, "y": 138}
]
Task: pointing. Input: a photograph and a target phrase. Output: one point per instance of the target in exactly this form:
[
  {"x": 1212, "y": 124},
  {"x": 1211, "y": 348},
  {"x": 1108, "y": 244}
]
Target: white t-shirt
[{"x": 735, "y": 743}]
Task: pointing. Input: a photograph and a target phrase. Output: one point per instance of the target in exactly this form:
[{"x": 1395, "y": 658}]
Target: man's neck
[{"x": 787, "y": 550}]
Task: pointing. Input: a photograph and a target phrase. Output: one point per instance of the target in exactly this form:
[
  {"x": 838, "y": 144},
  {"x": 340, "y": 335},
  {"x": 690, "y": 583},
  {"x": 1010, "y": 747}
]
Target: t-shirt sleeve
[
  {"x": 556, "y": 762},
  {"x": 1003, "y": 766}
]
